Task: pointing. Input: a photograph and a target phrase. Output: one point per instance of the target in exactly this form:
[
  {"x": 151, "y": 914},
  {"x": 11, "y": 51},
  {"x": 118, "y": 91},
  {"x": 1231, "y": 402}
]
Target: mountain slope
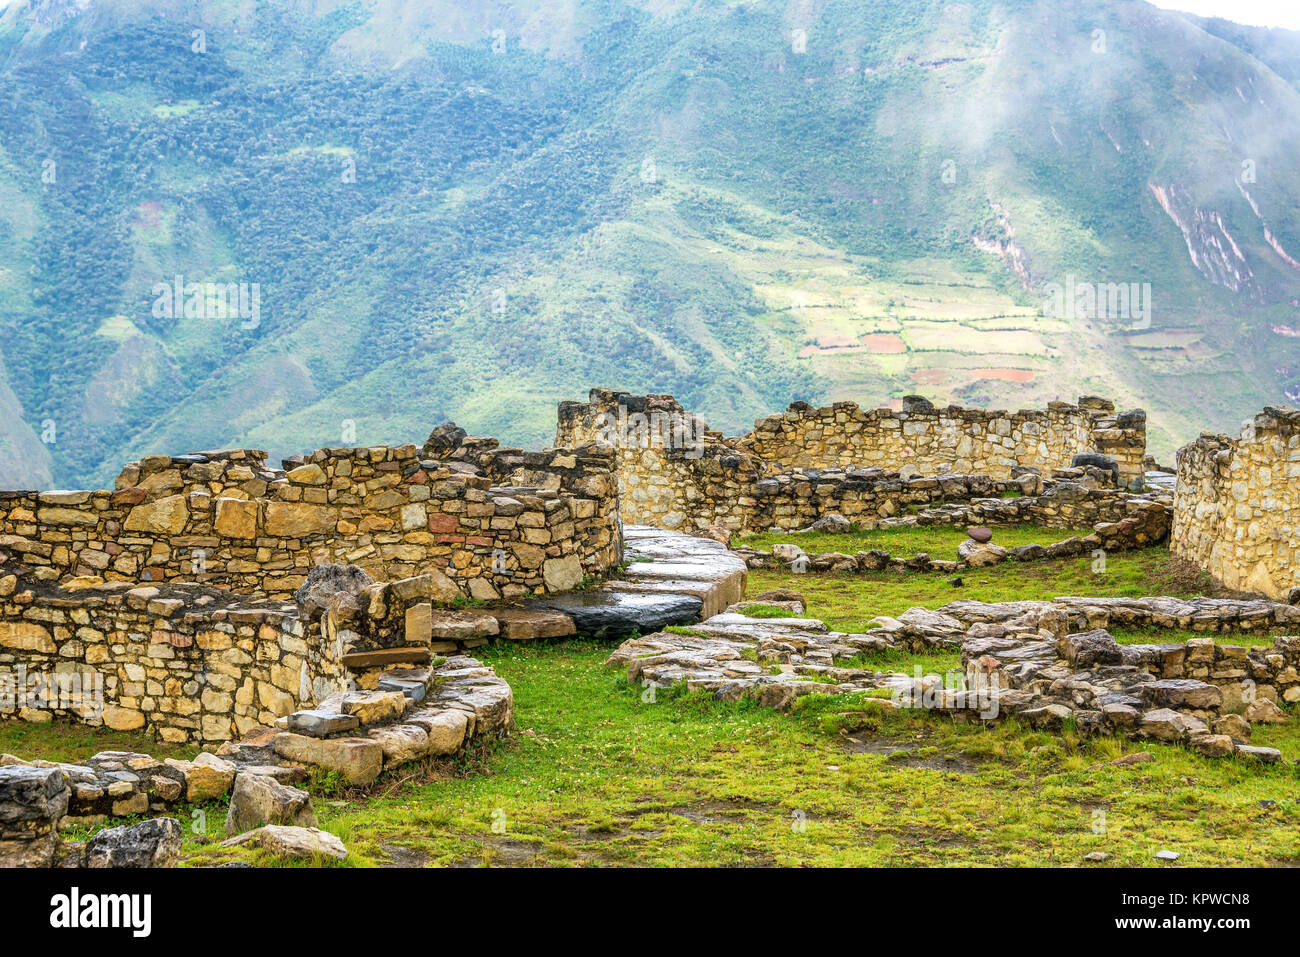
[{"x": 474, "y": 211}]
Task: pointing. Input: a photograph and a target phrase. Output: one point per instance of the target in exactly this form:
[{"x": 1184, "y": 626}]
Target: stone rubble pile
[{"x": 1023, "y": 658}]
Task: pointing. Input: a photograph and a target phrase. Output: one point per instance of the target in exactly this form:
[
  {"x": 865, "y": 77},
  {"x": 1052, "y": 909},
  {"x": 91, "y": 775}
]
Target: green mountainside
[{"x": 474, "y": 210}]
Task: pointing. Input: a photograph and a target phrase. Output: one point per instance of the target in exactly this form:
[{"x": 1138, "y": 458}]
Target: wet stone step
[{"x": 607, "y": 614}]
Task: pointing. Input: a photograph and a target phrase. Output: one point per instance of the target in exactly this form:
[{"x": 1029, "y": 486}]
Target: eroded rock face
[
  {"x": 259, "y": 799},
  {"x": 297, "y": 843},
  {"x": 444, "y": 440},
  {"x": 32, "y": 802},
  {"x": 155, "y": 843},
  {"x": 339, "y": 588}
]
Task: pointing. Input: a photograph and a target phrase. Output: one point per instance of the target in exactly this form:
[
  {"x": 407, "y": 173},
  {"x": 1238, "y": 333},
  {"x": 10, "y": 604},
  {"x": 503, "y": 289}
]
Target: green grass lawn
[
  {"x": 938, "y": 541},
  {"x": 595, "y": 775}
]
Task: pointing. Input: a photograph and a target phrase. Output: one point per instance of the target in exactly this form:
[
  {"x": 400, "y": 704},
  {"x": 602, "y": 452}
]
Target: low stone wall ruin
[
  {"x": 673, "y": 472},
  {"x": 1237, "y": 505},
  {"x": 226, "y": 518}
]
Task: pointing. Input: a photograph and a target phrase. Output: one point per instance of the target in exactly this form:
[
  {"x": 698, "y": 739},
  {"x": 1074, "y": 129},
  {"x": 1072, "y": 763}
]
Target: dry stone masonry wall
[
  {"x": 806, "y": 463},
  {"x": 951, "y": 439},
  {"x": 1237, "y": 505},
  {"x": 228, "y": 519}
]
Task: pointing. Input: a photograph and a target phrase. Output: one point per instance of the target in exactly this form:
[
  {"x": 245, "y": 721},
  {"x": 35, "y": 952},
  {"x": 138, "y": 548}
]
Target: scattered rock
[
  {"x": 297, "y": 843},
  {"x": 259, "y": 799},
  {"x": 155, "y": 843}
]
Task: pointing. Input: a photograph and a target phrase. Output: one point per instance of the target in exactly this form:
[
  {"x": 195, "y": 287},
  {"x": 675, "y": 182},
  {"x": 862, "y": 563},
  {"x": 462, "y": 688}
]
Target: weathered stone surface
[
  {"x": 154, "y": 843},
  {"x": 296, "y": 519},
  {"x": 259, "y": 799},
  {"x": 979, "y": 555},
  {"x": 164, "y": 516},
  {"x": 340, "y": 589},
  {"x": 562, "y": 574},
  {"x": 32, "y": 800},
  {"x": 320, "y": 723},
  {"x": 27, "y": 636},
  {"x": 375, "y": 706},
  {"x": 236, "y": 518},
  {"x": 615, "y": 615},
  {"x": 206, "y": 777},
  {"x": 401, "y": 743},
  {"x": 295, "y": 843},
  {"x": 356, "y": 760},
  {"x": 385, "y": 657},
  {"x": 445, "y": 729},
  {"x": 432, "y": 585},
  {"x": 1264, "y": 711}
]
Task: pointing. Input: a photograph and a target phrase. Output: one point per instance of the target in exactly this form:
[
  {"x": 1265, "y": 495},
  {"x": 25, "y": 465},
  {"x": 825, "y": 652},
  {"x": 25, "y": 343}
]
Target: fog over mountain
[{"x": 323, "y": 223}]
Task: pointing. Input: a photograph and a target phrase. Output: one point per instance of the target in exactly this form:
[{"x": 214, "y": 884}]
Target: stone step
[
  {"x": 386, "y": 657},
  {"x": 605, "y": 614}
]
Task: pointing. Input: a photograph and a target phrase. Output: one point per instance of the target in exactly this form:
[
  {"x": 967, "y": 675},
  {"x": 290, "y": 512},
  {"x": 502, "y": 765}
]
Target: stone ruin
[
  {"x": 1237, "y": 506},
  {"x": 320, "y": 615},
  {"x": 673, "y": 472}
]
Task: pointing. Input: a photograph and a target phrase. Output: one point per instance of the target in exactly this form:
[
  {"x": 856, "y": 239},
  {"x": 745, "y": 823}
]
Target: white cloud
[{"x": 1264, "y": 13}]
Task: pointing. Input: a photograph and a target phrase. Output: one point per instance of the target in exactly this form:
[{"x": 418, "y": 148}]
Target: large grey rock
[
  {"x": 31, "y": 800},
  {"x": 602, "y": 614},
  {"x": 980, "y": 554},
  {"x": 155, "y": 843},
  {"x": 299, "y": 843},
  {"x": 340, "y": 588},
  {"x": 1099, "y": 461},
  {"x": 259, "y": 799},
  {"x": 1090, "y": 648}
]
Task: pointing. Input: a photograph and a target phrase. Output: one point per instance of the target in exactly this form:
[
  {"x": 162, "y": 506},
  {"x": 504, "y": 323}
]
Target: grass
[
  {"x": 599, "y": 773},
  {"x": 938, "y": 541}
]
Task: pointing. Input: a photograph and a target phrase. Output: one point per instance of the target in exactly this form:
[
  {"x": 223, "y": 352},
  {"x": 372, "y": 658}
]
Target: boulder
[
  {"x": 297, "y": 843},
  {"x": 1263, "y": 711},
  {"x": 719, "y": 533},
  {"x": 259, "y": 799},
  {"x": 342, "y": 589},
  {"x": 980, "y": 554},
  {"x": 833, "y": 522},
  {"x": 402, "y": 743},
  {"x": 155, "y": 843},
  {"x": 32, "y": 800},
  {"x": 1090, "y": 648},
  {"x": 980, "y": 534},
  {"x": 356, "y": 760},
  {"x": 444, "y": 440}
]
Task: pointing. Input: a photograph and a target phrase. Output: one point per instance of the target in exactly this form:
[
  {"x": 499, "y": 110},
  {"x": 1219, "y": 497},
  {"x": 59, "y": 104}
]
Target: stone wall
[
  {"x": 226, "y": 518},
  {"x": 673, "y": 472},
  {"x": 185, "y": 662},
  {"x": 952, "y": 439},
  {"x": 1237, "y": 505}
]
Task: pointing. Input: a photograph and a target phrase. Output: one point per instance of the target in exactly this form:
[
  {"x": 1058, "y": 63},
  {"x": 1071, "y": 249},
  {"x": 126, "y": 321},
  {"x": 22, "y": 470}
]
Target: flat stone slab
[
  {"x": 604, "y": 614},
  {"x": 384, "y": 657},
  {"x": 523, "y": 624},
  {"x": 321, "y": 724}
]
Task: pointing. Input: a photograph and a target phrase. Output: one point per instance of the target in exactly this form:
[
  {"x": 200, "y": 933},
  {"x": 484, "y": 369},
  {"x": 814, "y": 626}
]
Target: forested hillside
[{"x": 472, "y": 211}]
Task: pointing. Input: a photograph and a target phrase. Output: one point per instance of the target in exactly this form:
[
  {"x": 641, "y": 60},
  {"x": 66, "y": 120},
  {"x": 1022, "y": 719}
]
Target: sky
[{"x": 1264, "y": 13}]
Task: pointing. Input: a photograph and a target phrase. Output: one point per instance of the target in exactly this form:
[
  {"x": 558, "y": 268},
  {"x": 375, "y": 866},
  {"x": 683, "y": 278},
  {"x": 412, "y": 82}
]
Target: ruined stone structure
[
  {"x": 1237, "y": 505},
  {"x": 226, "y": 518},
  {"x": 952, "y": 439},
  {"x": 164, "y": 604},
  {"x": 805, "y": 463}
]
